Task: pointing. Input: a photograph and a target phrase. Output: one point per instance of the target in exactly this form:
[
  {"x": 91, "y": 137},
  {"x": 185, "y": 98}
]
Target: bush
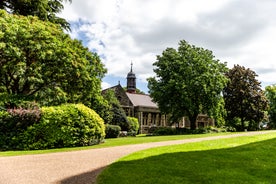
[
  {"x": 134, "y": 125},
  {"x": 230, "y": 129},
  {"x": 112, "y": 131},
  {"x": 205, "y": 130},
  {"x": 181, "y": 131},
  {"x": 131, "y": 133},
  {"x": 22, "y": 118},
  {"x": 62, "y": 126},
  {"x": 164, "y": 131},
  {"x": 152, "y": 129},
  {"x": 211, "y": 129},
  {"x": 5, "y": 134},
  {"x": 13, "y": 122}
]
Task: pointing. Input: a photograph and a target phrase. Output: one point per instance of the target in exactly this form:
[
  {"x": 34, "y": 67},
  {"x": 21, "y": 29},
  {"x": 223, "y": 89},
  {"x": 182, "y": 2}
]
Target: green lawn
[
  {"x": 113, "y": 142},
  {"x": 250, "y": 159}
]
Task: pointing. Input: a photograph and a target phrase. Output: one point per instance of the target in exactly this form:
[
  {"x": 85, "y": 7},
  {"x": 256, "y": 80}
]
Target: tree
[
  {"x": 102, "y": 106},
  {"x": 39, "y": 61},
  {"x": 118, "y": 114},
  {"x": 188, "y": 82},
  {"x": 270, "y": 92},
  {"x": 219, "y": 113},
  {"x": 244, "y": 98},
  {"x": 46, "y": 10},
  {"x": 138, "y": 91}
]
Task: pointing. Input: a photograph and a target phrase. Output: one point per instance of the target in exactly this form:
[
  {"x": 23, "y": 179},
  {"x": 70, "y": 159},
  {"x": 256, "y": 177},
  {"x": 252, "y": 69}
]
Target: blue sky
[
  {"x": 125, "y": 31},
  {"x": 109, "y": 79}
]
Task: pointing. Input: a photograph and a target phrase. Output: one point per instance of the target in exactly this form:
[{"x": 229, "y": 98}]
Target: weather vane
[{"x": 131, "y": 66}]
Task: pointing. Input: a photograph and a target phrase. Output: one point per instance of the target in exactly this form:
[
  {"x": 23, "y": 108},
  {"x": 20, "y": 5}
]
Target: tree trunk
[
  {"x": 193, "y": 122},
  {"x": 242, "y": 124}
]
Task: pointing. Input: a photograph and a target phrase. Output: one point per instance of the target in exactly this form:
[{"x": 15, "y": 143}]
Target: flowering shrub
[
  {"x": 22, "y": 118},
  {"x": 13, "y": 122}
]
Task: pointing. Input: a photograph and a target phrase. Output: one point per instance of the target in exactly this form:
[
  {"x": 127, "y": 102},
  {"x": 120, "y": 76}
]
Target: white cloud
[
  {"x": 121, "y": 31},
  {"x": 105, "y": 85}
]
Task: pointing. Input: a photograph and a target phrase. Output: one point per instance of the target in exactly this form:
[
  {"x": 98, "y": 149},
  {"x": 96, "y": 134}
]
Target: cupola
[{"x": 131, "y": 81}]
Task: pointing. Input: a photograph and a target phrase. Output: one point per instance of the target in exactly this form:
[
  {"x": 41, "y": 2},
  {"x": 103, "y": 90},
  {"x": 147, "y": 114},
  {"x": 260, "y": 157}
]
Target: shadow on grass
[
  {"x": 85, "y": 178},
  {"x": 250, "y": 163}
]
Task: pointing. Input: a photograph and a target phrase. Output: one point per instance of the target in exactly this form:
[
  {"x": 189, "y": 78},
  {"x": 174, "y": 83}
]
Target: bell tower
[{"x": 131, "y": 81}]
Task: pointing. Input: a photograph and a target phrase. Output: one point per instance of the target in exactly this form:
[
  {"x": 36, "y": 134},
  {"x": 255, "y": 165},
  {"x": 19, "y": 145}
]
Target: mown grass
[
  {"x": 113, "y": 142},
  {"x": 250, "y": 159}
]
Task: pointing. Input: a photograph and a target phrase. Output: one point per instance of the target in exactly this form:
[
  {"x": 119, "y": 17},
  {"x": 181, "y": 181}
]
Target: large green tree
[
  {"x": 188, "y": 82},
  {"x": 46, "y": 10},
  {"x": 244, "y": 98},
  {"x": 38, "y": 60},
  {"x": 270, "y": 92}
]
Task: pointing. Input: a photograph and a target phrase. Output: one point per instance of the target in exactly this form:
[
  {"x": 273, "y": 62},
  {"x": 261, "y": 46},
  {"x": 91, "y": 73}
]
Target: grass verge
[
  {"x": 113, "y": 142},
  {"x": 249, "y": 159}
]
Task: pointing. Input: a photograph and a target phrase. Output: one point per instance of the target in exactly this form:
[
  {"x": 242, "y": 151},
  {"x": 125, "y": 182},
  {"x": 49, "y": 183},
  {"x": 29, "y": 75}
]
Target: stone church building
[{"x": 145, "y": 110}]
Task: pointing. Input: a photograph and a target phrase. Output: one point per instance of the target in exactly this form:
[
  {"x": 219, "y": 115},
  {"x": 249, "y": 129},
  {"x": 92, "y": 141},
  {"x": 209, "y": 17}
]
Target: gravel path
[{"x": 76, "y": 167}]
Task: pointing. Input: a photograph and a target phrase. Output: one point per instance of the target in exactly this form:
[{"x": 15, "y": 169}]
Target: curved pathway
[{"x": 76, "y": 166}]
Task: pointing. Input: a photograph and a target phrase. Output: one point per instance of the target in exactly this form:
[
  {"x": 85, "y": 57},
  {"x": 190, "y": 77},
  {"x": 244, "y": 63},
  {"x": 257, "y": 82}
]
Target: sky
[{"x": 239, "y": 32}]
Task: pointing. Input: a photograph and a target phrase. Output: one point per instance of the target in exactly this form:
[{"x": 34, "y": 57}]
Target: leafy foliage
[
  {"x": 270, "y": 92},
  {"x": 184, "y": 131},
  {"x": 137, "y": 91},
  {"x": 46, "y": 10},
  {"x": 59, "y": 126},
  {"x": 118, "y": 114},
  {"x": 14, "y": 122},
  {"x": 134, "y": 124},
  {"x": 24, "y": 117},
  {"x": 39, "y": 61},
  {"x": 67, "y": 126},
  {"x": 219, "y": 113},
  {"x": 244, "y": 97},
  {"x": 188, "y": 82},
  {"x": 165, "y": 131},
  {"x": 102, "y": 106},
  {"x": 4, "y": 129},
  {"x": 112, "y": 131},
  {"x": 16, "y": 101},
  {"x": 119, "y": 117}
]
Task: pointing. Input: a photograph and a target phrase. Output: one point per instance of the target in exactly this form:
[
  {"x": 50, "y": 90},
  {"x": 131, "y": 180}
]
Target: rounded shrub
[
  {"x": 112, "y": 131},
  {"x": 65, "y": 126},
  {"x": 134, "y": 125}
]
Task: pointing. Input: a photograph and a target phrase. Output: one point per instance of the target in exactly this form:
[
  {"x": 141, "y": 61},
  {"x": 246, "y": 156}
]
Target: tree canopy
[
  {"x": 244, "y": 97},
  {"x": 137, "y": 91},
  {"x": 38, "y": 60},
  {"x": 188, "y": 82},
  {"x": 46, "y": 10},
  {"x": 270, "y": 92}
]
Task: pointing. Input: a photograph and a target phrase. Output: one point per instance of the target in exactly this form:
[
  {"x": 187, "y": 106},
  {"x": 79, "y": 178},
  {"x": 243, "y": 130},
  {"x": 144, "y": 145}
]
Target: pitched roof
[{"x": 141, "y": 100}]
